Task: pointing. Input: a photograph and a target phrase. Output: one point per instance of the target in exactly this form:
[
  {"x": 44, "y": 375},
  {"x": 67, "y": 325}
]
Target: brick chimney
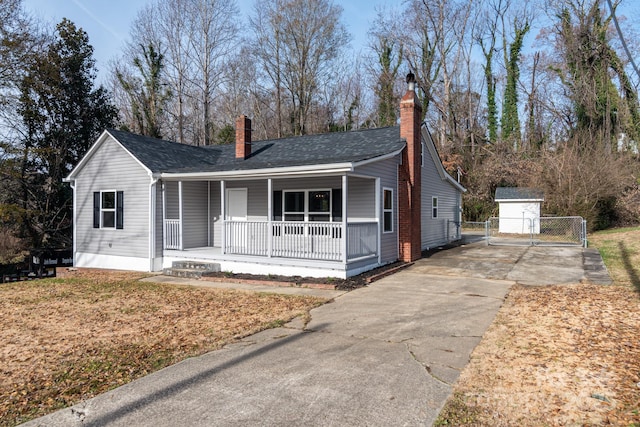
[
  {"x": 409, "y": 200},
  {"x": 243, "y": 137}
]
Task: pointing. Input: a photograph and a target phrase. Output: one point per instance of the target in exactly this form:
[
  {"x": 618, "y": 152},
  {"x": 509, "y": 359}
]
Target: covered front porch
[{"x": 314, "y": 226}]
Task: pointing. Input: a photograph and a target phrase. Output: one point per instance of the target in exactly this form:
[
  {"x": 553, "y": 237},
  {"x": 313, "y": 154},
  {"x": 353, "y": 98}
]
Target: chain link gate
[{"x": 541, "y": 231}]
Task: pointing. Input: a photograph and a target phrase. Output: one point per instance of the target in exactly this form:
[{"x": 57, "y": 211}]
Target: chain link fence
[{"x": 550, "y": 231}]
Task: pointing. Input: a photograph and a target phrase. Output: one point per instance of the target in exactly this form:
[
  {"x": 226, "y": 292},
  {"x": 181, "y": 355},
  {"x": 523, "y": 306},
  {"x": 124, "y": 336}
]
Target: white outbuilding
[{"x": 519, "y": 210}]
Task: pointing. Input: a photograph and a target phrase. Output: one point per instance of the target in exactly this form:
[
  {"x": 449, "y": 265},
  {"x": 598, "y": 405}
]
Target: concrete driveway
[{"x": 386, "y": 354}]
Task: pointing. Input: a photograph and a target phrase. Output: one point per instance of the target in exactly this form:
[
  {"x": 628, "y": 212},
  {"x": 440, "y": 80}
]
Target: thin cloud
[{"x": 98, "y": 20}]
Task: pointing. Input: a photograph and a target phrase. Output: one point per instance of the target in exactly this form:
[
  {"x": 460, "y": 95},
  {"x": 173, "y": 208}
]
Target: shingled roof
[
  {"x": 162, "y": 156},
  {"x": 518, "y": 193}
]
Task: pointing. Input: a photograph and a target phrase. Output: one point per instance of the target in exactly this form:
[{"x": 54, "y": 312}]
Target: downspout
[
  {"x": 72, "y": 184},
  {"x": 152, "y": 222}
]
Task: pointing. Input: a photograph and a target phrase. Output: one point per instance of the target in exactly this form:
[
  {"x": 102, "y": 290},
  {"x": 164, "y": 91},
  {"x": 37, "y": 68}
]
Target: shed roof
[
  {"x": 519, "y": 193},
  {"x": 171, "y": 157}
]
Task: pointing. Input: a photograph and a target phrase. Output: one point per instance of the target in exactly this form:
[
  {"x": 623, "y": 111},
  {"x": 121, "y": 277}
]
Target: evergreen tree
[{"x": 63, "y": 114}]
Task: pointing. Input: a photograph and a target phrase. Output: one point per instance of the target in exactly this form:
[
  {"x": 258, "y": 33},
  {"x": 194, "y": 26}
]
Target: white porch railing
[
  {"x": 303, "y": 240},
  {"x": 172, "y": 235}
]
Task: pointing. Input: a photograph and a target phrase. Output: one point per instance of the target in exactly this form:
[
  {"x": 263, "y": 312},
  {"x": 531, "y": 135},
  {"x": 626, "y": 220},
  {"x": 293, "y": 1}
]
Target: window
[
  {"x": 434, "y": 207},
  {"x": 387, "y": 210},
  {"x": 309, "y": 205},
  {"x": 108, "y": 209}
]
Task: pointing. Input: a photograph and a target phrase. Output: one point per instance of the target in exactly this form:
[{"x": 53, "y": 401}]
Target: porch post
[
  {"x": 209, "y": 213},
  {"x": 378, "y": 202},
  {"x": 269, "y": 217},
  {"x": 223, "y": 216},
  {"x": 180, "y": 212},
  {"x": 345, "y": 231},
  {"x": 164, "y": 217}
]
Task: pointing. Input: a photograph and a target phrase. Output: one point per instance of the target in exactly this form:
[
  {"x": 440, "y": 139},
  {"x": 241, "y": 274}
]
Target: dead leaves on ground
[
  {"x": 556, "y": 355},
  {"x": 63, "y": 340}
]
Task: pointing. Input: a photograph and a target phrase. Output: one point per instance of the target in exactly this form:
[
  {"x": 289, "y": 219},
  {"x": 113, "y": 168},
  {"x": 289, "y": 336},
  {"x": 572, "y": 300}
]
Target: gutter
[{"x": 335, "y": 168}]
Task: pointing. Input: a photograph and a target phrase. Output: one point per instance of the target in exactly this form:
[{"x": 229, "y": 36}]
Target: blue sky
[{"x": 107, "y": 22}]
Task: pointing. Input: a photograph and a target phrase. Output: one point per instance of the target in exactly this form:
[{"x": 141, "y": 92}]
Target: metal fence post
[
  {"x": 585, "y": 243},
  {"x": 486, "y": 231}
]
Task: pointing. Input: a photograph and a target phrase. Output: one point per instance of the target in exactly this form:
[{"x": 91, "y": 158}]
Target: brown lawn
[
  {"x": 560, "y": 355},
  {"x": 67, "y": 339}
]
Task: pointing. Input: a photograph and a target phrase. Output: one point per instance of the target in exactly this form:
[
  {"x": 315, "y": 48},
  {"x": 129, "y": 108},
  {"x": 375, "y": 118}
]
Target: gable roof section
[
  {"x": 519, "y": 194},
  {"x": 161, "y": 156},
  {"x": 444, "y": 175}
]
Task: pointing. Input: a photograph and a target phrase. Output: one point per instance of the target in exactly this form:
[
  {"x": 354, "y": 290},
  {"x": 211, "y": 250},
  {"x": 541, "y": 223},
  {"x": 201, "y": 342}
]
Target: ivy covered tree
[
  {"x": 147, "y": 94},
  {"x": 62, "y": 115},
  {"x": 510, "y": 120}
]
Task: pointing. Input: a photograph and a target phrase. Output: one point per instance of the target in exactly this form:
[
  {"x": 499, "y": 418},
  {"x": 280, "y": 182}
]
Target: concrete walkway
[{"x": 387, "y": 354}]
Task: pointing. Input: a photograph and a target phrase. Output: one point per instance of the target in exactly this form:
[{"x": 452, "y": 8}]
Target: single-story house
[
  {"x": 331, "y": 205},
  {"x": 519, "y": 210}
]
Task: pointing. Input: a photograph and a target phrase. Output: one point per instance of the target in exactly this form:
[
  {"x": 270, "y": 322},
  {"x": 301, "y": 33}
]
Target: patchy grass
[
  {"x": 64, "y": 340},
  {"x": 560, "y": 355},
  {"x": 620, "y": 250}
]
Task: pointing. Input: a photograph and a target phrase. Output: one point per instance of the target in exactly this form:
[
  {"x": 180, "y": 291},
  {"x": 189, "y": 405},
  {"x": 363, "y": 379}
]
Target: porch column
[
  {"x": 269, "y": 217},
  {"x": 378, "y": 198},
  {"x": 209, "y": 213},
  {"x": 164, "y": 217},
  {"x": 222, "y": 216},
  {"x": 180, "y": 212},
  {"x": 345, "y": 231}
]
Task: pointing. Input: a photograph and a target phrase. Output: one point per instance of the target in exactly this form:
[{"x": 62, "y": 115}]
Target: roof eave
[
  {"x": 332, "y": 168},
  {"x": 519, "y": 200}
]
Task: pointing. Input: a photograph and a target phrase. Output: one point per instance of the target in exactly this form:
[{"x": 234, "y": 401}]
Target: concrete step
[
  {"x": 196, "y": 265},
  {"x": 191, "y": 269}
]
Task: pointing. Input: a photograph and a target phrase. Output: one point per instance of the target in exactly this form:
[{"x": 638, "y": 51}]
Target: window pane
[
  {"x": 319, "y": 201},
  {"x": 294, "y": 201},
  {"x": 108, "y": 219},
  {"x": 388, "y": 199},
  {"x": 388, "y": 224},
  {"x": 109, "y": 200},
  {"x": 434, "y": 202},
  {"x": 294, "y": 217},
  {"x": 322, "y": 218}
]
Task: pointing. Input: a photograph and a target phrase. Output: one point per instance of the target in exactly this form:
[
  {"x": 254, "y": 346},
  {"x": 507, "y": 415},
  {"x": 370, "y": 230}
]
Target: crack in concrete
[{"x": 426, "y": 367}]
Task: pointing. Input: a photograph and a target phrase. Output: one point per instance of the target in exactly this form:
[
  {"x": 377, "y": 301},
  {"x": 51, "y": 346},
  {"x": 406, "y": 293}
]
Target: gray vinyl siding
[
  {"x": 171, "y": 196},
  {"x": 257, "y": 202},
  {"x": 361, "y": 205},
  {"x": 194, "y": 214},
  {"x": 387, "y": 170},
  {"x": 307, "y": 183},
  {"x": 112, "y": 168},
  {"x": 434, "y": 231}
]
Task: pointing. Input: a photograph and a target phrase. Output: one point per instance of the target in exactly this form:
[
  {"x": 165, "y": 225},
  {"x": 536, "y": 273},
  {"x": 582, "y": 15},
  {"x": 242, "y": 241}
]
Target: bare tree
[
  {"x": 297, "y": 43},
  {"x": 197, "y": 41}
]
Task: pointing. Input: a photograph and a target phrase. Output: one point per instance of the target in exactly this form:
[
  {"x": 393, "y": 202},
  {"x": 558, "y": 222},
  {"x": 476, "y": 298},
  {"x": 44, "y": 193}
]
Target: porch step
[{"x": 191, "y": 269}]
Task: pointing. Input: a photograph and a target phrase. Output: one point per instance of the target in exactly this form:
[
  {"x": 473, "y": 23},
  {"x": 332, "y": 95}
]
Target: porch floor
[{"x": 274, "y": 265}]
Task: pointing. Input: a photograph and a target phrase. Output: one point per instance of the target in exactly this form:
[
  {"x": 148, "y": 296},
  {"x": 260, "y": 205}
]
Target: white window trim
[
  {"x": 434, "y": 207},
  {"x": 306, "y": 204},
  {"x": 385, "y": 210},
  {"x": 114, "y": 210}
]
